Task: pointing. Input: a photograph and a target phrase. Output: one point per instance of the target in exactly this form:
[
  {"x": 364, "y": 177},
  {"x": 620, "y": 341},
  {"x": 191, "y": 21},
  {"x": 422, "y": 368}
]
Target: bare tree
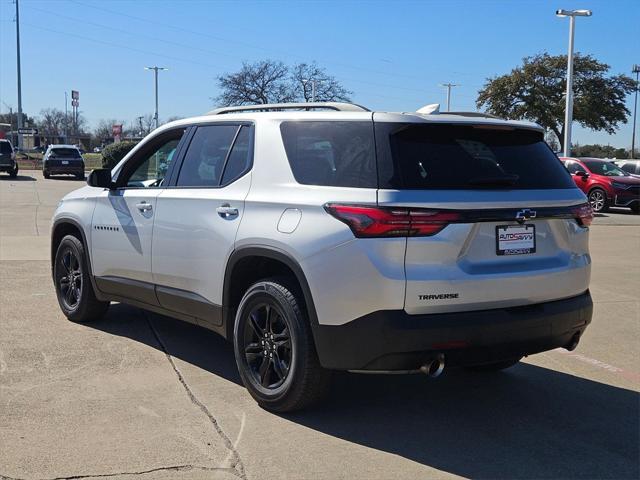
[
  {"x": 52, "y": 122},
  {"x": 104, "y": 129},
  {"x": 262, "y": 82},
  {"x": 306, "y": 77}
]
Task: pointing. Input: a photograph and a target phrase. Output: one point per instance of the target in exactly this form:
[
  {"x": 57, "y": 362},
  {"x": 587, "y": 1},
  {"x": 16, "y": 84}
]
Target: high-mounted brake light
[
  {"x": 368, "y": 221},
  {"x": 583, "y": 214}
]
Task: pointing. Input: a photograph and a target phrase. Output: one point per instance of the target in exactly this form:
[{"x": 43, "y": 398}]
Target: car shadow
[
  {"x": 18, "y": 178},
  {"x": 527, "y": 422}
]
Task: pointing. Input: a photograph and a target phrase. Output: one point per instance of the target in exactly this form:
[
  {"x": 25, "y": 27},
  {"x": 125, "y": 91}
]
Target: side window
[
  {"x": 204, "y": 161},
  {"x": 153, "y": 165},
  {"x": 629, "y": 167},
  {"x": 337, "y": 154},
  {"x": 239, "y": 160},
  {"x": 574, "y": 167}
]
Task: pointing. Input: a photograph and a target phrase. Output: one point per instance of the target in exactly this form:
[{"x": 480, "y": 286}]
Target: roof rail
[
  {"x": 270, "y": 107},
  {"x": 472, "y": 114}
]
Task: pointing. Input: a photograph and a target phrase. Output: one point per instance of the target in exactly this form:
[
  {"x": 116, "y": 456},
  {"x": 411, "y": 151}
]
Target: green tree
[{"x": 536, "y": 89}]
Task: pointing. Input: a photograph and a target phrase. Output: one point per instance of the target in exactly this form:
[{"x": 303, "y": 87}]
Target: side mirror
[
  {"x": 101, "y": 178},
  {"x": 582, "y": 174}
]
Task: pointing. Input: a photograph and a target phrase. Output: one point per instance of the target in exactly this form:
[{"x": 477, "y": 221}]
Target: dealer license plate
[{"x": 515, "y": 239}]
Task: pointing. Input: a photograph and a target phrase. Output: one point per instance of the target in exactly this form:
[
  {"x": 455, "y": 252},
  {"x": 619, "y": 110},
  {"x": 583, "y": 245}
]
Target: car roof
[
  {"x": 471, "y": 118},
  {"x": 60, "y": 145}
]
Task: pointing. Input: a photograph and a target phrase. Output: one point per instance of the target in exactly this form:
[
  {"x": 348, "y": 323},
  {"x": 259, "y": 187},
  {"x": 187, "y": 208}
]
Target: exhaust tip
[
  {"x": 573, "y": 343},
  {"x": 434, "y": 367}
]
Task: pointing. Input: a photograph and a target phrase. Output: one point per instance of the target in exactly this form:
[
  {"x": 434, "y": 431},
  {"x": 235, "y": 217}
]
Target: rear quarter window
[
  {"x": 5, "y": 147},
  {"x": 337, "y": 154},
  {"x": 418, "y": 156}
]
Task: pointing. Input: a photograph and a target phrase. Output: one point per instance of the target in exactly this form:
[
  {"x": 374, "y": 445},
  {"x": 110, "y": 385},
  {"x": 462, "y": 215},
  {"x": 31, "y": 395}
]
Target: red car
[{"x": 605, "y": 184}]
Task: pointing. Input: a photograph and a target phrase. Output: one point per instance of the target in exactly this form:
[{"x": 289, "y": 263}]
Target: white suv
[{"x": 328, "y": 237}]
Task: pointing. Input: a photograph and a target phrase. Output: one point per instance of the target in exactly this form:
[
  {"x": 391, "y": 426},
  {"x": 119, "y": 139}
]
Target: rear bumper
[
  {"x": 626, "y": 199},
  {"x": 68, "y": 169},
  {"x": 395, "y": 340}
]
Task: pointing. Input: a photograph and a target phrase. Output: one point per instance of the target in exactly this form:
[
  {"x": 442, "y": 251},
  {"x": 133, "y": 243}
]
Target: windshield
[
  {"x": 419, "y": 156},
  {"x": 604, "y": 168},
  {"x": 65, "y": 152}
]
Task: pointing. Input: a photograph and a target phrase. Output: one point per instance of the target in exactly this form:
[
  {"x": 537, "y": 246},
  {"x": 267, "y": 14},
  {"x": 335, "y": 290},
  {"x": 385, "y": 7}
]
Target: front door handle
[
  {"x": 144, "y": 207},
  {"x": 227, "y": 211}
]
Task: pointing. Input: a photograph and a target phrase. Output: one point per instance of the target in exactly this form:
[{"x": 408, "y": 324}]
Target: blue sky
[{"x": 392, "y": 55}]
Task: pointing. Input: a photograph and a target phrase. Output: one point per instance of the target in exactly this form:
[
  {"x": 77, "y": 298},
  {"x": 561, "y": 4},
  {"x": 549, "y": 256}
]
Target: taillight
[
  {"x": 366, "y": 221},
  {"x": 583, "y": 214}
]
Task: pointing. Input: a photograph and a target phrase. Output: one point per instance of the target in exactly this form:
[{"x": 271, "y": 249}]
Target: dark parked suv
[
  {"x": 8, "y": 161},
  {"x": 63, "y": 159}
]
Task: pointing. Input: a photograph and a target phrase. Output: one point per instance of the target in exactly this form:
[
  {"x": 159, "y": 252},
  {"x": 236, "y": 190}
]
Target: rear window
[
  {"x": 337, "y": 154},
  {"x": 466, "y": 157},
  {"x": 65, "y": 152},
  {"x": 5, "y": 147}
]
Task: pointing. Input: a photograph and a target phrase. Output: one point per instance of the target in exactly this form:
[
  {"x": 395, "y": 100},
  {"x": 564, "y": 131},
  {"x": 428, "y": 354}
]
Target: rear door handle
[
  {"x": 226, "y": 211},
  {"x": 144, "y": 207}
]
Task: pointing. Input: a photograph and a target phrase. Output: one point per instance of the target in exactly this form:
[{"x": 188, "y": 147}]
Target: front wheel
[
  {"x": 74, "y": 290},
  {"x": 274, "y": 349},
  {"x": 635, "y": 208},
  {"x": 598, "y": 200}
]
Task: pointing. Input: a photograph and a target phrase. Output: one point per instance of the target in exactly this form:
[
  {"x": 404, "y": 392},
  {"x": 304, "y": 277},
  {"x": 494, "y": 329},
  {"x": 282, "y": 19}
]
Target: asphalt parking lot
[{"x": 140, "y": 395}]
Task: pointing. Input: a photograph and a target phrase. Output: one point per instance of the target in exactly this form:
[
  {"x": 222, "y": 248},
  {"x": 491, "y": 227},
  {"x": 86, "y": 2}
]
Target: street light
[
  {"x": 448, "y": 87},
  {"x": 636, "y": 70},
  {"x": 155, "y": 71},
  {"x": 568, "y": 113}
]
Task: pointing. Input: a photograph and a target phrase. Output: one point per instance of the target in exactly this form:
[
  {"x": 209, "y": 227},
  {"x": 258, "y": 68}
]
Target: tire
[
  {"x": 635, "y": 208},
  {"x": 14, "y": 173},
  {"x": 80, "y": 176},
  {"x": 45, "y": 174},
  {"x": 74, "y": 290},
  {"x": 495, "y": 367},
  {"x": 598, "y": 200},
  {"x": 293, "y": 378}
]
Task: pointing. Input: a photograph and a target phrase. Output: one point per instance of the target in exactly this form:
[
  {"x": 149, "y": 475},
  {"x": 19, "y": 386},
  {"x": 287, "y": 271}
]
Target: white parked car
[{"x": 335, "y": 238}]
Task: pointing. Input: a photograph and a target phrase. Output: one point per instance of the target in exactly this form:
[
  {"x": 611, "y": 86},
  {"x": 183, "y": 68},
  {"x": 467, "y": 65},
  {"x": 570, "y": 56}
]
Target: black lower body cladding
[{"x": 395, "y": 340}]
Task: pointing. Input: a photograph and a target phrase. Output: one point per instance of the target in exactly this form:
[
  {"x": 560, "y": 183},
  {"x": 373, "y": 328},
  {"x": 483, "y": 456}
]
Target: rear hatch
[
  {"x": 64, "y": 156},
  {"x": 495, "y": 219}
]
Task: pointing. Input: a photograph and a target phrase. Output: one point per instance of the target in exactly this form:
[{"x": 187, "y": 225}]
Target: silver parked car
[{"x": 328, "y": 237}]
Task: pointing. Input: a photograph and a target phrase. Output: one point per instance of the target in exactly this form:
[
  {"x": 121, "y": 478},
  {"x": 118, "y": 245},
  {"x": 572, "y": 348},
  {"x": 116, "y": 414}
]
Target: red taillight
[
  {"x": 583, "y": 214},
  {"x": 366, "y": 221}
]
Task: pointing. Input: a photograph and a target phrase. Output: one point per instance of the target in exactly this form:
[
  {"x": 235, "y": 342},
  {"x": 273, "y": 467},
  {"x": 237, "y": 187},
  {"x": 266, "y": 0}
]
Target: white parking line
[{"x": 634, "y": 376}]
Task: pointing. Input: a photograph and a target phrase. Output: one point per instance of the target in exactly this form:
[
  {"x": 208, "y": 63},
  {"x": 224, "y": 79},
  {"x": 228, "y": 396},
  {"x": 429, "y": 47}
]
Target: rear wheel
[
  {"x": 635, "y": 208},
  {"x": 14, "y": 173},
  {"x": 80, "y": 176},
  {"x": 74, "y": 290},
  {"x": 274, "y": 349},
  {"x": 496, "y": 366},
  {"x": 45, "y": 174},
  {"x": 598, "y": 200}
]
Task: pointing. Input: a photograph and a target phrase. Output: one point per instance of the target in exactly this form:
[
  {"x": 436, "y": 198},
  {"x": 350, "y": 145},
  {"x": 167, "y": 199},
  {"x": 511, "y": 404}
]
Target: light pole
[
  {"x": 19, "y": 75},
  {"x": 568, "y": 112},
  {"x": 155, "y": 71},
  {"x": 636, "y": 70},
  {"x": 448, "y": 87}
]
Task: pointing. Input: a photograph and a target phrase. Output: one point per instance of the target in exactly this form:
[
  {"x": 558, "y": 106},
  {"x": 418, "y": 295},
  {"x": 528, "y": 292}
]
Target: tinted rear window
[
  {"x": 465, "y": 157},
  {"x": 337, "y": 154},
  {"x": 65, "y": 152},
  {"x": 5, "y": 147}
]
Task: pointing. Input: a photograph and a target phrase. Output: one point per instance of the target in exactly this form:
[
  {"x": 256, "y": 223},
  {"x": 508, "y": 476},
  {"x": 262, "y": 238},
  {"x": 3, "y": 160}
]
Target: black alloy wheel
[
  {"x": 267, "y": 345},
  {"x": 69, "y": 278}
]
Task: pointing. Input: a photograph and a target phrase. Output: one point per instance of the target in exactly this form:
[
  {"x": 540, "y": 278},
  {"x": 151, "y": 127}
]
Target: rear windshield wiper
[{"x": 498, "y": 180}]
